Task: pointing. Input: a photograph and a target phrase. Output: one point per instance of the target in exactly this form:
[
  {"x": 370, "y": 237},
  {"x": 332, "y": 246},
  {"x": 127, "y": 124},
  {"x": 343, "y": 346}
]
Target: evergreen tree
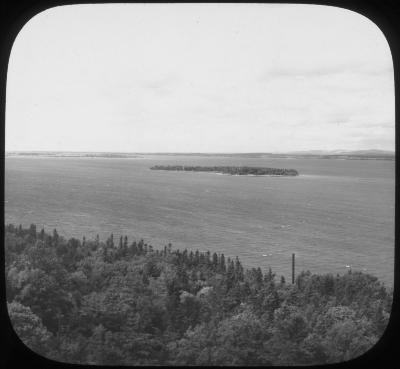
[
  {"x": 110, "y": 242},
  {"x": 32, "y": 232},
  {"x": 222, "y": 263},
  {"x": 55, "y": 237},
  {"x": 83, "y": 305},
  {"x": 215, "y": 261}
]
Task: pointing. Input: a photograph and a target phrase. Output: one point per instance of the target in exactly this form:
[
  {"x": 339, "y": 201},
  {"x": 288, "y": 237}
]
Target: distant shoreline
[
  {"x": 365, "y": 155},
  {"x": 75, "y": 155}
]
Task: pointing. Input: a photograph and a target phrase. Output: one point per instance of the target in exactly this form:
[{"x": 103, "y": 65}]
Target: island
[{"x": 242, "y": 170}]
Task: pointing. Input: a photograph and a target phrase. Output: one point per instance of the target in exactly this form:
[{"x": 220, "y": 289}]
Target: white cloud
[{"x": 215, "y": 77}]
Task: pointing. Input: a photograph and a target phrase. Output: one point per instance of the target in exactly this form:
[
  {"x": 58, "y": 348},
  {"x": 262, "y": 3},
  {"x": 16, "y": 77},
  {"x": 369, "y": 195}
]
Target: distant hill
[
  {"x": 371, "y": 152},
  {"x": 341, "y": 154}
]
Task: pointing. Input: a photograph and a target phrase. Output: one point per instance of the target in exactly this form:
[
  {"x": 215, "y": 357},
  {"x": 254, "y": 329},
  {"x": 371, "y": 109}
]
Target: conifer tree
[
  {"x": 140, "y": 247},
  {"x": 110, "y": 241},
  {"x": 215, "y": 260},
  {"x": 222, "y": 263},
  {"x": 230, "y": 274},
  {"x": 55, "y": 237},
  {"x": 32, "y": 232},
  {"x": 42, "y": 234}
]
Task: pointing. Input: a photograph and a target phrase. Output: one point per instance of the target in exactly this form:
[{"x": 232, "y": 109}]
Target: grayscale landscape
[
  {"x": 207, "y": 184},
  {"x": 335, "y": 214}
]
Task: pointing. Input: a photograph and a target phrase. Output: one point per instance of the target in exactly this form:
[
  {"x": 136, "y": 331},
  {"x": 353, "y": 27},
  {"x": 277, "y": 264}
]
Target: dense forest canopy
[
  {"x": 243, "y": 170},
  {"x": 122, "y": 302}
]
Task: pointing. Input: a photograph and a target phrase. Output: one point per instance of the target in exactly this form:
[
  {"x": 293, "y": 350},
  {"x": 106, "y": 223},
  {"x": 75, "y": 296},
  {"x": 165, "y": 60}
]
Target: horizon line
[{"x": 198, "y": 152}]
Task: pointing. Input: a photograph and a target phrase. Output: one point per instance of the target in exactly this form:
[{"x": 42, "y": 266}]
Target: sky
[{"x": 199, "y": 78}]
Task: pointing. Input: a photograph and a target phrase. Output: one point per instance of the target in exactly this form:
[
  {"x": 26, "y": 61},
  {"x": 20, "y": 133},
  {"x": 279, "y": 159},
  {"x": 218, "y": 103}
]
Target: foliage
[
  {"x": 29, "y": 327},
  {"x": 125, "y": 303}
]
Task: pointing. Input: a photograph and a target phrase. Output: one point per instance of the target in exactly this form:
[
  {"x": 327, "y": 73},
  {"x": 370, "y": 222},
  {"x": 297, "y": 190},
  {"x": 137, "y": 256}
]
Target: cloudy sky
[{"x": 199, "y": 78}]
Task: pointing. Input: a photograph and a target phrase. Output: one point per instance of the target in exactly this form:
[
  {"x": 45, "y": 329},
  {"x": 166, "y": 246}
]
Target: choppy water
[{"x": 337, "y": 213}]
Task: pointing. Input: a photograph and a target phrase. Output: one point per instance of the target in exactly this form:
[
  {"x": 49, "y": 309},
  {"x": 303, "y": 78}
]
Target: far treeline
[
  {"x": 126, "y": 303},
  {"x": 259, "y": 171}
]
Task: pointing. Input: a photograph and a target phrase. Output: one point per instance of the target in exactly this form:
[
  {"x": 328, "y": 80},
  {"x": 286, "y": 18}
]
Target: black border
[{"x": 15, "y": 14}]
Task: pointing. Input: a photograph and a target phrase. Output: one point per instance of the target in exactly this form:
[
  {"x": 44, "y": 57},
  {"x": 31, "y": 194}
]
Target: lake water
[{"x": 337, "y": 213}]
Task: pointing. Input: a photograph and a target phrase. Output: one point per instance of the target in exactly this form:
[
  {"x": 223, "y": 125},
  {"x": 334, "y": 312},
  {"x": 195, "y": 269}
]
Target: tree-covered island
[{"x": 241, "y": 170}]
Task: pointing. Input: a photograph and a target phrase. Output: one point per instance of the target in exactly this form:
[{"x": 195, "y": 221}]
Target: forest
[
  {"x": 259, "y": 171},
  {"x": 123, "y": 302}
]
